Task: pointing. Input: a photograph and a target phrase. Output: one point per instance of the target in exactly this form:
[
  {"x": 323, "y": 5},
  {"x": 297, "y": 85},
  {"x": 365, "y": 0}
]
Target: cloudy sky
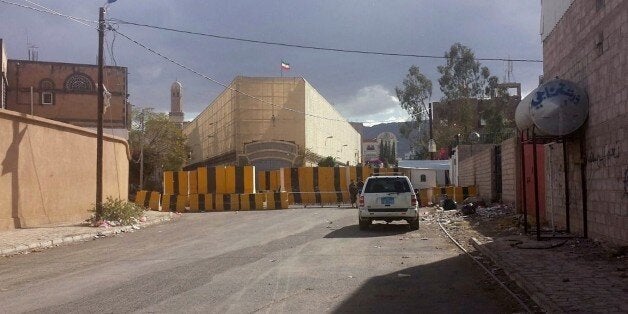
[{"x": 361, "y": 87}]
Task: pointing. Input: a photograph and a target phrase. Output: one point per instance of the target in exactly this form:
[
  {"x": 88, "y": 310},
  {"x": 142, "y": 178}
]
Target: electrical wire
[
  {"x": 220, "y": 83},
  {"x": 52, "y": 12},
  {"x": 255, "y": 41}
]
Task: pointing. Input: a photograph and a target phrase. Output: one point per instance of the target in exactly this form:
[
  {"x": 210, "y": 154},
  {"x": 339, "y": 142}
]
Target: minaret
[{"x": 176, "y": 114}]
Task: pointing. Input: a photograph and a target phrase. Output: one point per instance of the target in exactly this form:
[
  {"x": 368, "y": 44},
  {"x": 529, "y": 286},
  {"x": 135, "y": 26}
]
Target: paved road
[{"x": 292, "y": 261}]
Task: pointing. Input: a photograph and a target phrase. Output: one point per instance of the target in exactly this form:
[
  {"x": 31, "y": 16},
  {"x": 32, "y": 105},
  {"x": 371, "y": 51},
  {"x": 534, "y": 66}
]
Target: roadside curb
[
  {"x": 529, "y": 287},
  {"x": 96, "y": 234}
]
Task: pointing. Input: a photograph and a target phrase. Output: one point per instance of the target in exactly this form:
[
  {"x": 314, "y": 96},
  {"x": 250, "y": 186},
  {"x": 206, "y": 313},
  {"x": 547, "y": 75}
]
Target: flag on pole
[{"x": 285, "y": 65}]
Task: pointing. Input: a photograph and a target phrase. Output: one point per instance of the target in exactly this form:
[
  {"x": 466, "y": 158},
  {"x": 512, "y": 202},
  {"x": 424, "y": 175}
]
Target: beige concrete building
[{"x": 271, "y": 122}]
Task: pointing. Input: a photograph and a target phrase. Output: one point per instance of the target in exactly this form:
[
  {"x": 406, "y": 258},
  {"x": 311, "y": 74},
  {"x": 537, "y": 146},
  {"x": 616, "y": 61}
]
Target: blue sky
[{"x": 361, "y": 87}]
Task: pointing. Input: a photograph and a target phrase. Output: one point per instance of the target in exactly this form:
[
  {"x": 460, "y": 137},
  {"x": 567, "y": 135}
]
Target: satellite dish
[
  {"x": 474, "y": 137},
  {"x": 558, "y": 107}
]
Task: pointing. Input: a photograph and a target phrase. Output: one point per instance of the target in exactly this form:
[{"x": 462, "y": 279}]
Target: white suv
[{"x": 388, "y": 198}]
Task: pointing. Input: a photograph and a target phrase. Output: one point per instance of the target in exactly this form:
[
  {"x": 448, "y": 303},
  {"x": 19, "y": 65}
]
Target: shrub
[{"x": 124, "y": 212}]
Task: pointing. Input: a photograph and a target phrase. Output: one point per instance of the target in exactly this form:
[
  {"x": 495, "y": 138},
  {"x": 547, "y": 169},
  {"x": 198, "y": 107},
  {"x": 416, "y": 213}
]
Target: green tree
[
  {"x": 413, "y": 97},
  {"x": 464, "y": 83},
  {"x": 328, "y": 161},
  {"x": 164, "y": 147}
]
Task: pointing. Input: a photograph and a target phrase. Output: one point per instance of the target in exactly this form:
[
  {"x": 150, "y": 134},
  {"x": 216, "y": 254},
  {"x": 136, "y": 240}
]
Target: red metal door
[{"x": 529, "y": 179}]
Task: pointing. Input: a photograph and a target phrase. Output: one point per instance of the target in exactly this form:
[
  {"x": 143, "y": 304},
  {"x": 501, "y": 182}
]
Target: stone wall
[
  {"x": 48, "y": 171},
  {"x": 589, "y": 46}
]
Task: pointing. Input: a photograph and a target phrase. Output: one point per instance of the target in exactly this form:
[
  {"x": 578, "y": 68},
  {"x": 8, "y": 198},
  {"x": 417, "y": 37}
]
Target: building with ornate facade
[
  {"x": 67, "y": 92},
  {"x": 271, "y": 122}
]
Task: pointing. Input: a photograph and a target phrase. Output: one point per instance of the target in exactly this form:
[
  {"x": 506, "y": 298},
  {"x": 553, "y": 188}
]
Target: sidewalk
[
  {"x": 560, "y": 275},
  {"x": 36, "y": 239},
  {"x": 576, "y": 275}
]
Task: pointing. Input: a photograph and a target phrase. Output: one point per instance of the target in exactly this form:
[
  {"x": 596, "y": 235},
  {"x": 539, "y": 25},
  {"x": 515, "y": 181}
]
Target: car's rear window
[{"x": 386, "y": 185}]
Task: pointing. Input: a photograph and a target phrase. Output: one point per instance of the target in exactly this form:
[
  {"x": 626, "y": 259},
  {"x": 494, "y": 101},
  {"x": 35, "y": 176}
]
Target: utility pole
[
  {"x": 432, "y": 144},
  {"x": 101, "y": 91},
  {"x": 142, "y": 152}
]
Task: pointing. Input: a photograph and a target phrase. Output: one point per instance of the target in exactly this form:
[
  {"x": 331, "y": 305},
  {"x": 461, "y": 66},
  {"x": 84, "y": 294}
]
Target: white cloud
[
  {"x": 373, "y": 104},
  {"x": 150, "y": 72}
]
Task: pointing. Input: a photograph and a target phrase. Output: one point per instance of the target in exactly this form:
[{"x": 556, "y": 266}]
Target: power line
[
  {"x": 218, "y": 82},
  {"x": 367, "y": 52},
  {"x": 52, "y": 12}
]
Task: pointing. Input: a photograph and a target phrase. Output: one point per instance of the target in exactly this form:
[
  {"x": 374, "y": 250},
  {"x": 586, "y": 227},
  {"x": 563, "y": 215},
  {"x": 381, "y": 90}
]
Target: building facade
[
  {"x": 271, "y": 122},
  {"x": 3, "y": 75},
  {"x": 586, "y": 42},
  {"x": 67, "y": 92}
]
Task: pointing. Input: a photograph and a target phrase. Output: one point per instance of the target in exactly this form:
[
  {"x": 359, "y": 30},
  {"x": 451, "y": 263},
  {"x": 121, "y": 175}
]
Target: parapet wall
[{"x": 48, "y": 171}]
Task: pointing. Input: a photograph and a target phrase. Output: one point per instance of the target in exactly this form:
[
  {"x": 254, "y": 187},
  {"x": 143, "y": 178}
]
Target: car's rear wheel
[
  {"x": 364, "y": 223},
  {"x": 414, "y": 224}
]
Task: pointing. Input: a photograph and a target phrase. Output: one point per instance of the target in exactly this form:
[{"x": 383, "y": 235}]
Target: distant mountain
[{"x": 371, "y": 132}]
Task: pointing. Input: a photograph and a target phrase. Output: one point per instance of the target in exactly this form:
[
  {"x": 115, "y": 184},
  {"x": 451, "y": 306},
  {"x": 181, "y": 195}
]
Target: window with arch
[
  {"x": 46, "y": 88},
  {"x": 79, "y": 82},
  {"x": 423, "y": 178}
]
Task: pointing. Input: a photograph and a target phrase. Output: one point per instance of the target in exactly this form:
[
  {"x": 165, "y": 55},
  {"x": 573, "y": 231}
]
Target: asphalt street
[{"x": 304, "y": 260}]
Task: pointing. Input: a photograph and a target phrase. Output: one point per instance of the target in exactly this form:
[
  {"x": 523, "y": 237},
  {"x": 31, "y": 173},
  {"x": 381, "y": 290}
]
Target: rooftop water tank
[{"x": 558, "y": 107}]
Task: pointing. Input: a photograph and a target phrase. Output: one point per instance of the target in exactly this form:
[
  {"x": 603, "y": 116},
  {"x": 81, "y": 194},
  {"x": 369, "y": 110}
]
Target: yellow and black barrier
[
  {"x": 176, "y": 183},
  {"x": 316, "y": 185},
  {"x": 456, "y": 193},
  {"x": 252, "y": 201},
  {"x": 171, "y": 202},
  {"x": 424, "y": 196},
  {"x": 201, "y": 202},
  {"x": 142, "y": 198},
  {"x": 268, "y": 180},
  {"x": 276, "y": 200},
  {"x": 148, "y": 199},
  {"x": 226, "y": 180},
  {"x": 193, "y": 182}
]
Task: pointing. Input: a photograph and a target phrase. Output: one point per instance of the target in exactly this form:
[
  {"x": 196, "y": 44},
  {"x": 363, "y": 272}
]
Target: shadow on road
[
  {"x": 453, "y": 285},
  {"x": 376, "y": 230}
]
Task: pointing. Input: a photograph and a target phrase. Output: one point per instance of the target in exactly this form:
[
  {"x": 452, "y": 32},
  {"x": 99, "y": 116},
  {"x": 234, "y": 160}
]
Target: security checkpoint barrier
[
  {"x": 425, "y": 196},
  {"x": 225, "y": 180},
  {"x": 148, "y": 199},
  {"x": 252, "y": 201},
  {"x": 456, "y": 193},
  {"x": 268, "y": 180},
  {"x": 193, "y": 182},
  {"x": 276, "y": 200},
  {"x": 141, "y": 198},
  {"x": 171, "y": 202},
  {"x": 201, "y": 202},
  {"x": 176, "y": 183},
  {"x": 462, "y": 192}
]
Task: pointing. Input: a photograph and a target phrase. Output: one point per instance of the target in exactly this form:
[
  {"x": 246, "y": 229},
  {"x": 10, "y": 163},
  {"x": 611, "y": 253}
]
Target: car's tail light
[
  {"x": 414, "y": 201},
  {"x": 361, "y": 201}
]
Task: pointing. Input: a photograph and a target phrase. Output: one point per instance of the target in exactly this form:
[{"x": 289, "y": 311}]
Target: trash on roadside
[{"x": 143, "y": 219}]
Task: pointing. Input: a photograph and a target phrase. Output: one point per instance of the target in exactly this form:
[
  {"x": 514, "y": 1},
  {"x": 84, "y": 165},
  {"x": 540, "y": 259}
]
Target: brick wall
[
  {"x": 69, "y": 106},
  {"x": 510, "y": 157},
  {"x": 589, "y": 46},
  {"x": 478, "y": 169}
]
